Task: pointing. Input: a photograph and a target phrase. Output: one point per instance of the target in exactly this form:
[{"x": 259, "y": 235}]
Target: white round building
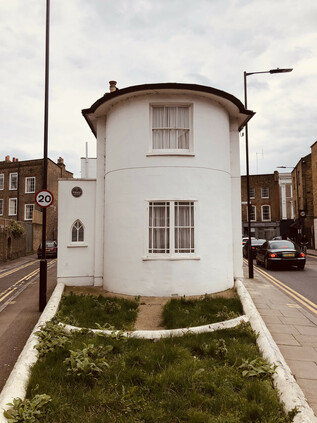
[{"x": 163, "y": 216}]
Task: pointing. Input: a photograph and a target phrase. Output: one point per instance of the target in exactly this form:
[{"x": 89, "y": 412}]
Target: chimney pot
[
  {"x": 113, "y": 86},
  {"x": 7, "y": 158}
]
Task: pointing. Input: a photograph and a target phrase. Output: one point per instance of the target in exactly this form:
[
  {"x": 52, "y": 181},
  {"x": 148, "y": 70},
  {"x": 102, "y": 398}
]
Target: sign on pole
[{"x": 44, "y": 198}]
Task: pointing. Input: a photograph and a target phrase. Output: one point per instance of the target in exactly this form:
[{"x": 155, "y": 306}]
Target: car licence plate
[{"x": 288, "y": 255}]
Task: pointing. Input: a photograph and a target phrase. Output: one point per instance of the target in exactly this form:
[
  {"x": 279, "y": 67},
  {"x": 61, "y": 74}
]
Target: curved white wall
[{"x": 132, "y": 179}]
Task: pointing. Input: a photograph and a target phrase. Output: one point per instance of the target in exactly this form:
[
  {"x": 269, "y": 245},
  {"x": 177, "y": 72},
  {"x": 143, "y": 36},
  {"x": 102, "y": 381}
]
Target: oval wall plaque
[{"x": 77, "y": 192}]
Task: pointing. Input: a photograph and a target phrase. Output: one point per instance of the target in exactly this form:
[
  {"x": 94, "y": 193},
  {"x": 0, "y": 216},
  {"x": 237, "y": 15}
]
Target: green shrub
[{"x": 16, "y": 229}]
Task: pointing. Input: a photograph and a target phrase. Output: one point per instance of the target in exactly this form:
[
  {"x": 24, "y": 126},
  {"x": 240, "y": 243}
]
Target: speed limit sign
[{"x": 44, "y": 198}]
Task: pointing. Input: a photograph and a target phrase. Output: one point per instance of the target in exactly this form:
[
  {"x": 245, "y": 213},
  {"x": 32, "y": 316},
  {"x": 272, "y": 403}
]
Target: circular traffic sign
[{"x": 44, "y": 198}]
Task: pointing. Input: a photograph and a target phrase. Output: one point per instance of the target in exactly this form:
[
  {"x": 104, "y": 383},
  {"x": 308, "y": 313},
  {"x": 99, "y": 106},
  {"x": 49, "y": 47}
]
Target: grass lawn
[
  {"x": 89, "y": 311},
  {"x": 215, "y": 377}
]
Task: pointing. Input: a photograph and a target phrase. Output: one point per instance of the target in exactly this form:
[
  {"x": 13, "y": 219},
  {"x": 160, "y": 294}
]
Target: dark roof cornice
[{"x": 202, "y": 89}]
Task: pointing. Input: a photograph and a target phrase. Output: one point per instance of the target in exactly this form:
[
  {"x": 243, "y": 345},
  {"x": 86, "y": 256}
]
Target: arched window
[{"x": 77, "y": 232}]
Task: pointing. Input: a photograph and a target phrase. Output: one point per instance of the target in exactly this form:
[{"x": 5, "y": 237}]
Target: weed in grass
[
  {"x": 51, "y": 336},
  {"x": 258, "y": 368},
  {"x": 28, "y": 410},
  {"x": 88, "y": 362}
]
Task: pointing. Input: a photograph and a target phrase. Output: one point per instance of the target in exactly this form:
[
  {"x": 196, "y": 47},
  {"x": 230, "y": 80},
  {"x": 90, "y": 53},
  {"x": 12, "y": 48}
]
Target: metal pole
[
  {"x": 250, "y": 258},
  {"x": 43, "y": 263}
]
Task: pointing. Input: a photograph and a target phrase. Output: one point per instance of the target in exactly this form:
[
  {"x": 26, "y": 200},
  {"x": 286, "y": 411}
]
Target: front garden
[{"x": 217, "y": 377}]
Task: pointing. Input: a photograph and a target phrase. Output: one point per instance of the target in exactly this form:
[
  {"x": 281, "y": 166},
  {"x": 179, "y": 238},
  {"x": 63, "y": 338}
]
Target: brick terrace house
[
  {"x": 265, "y": 205},
  {"x": 304, "y": 180},
  {"x": 19, "y": 181}
]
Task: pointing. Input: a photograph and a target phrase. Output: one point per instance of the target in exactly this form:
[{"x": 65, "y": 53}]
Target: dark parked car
[
  {"x": 51, "y": 249},
  {"x": 255, "y": 244},
  {"x": 278, "y": 252}
]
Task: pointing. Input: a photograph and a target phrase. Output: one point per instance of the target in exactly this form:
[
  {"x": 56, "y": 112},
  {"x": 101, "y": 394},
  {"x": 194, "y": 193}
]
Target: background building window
[
  {"x": 28, "y": 211},
  {"x": 252, "y": 192},
  {"x": 1, "y": 207},
  {"x": 77, "y": 232},
  {"x": 266, "y": 213},
  {"x": 30, "y": 184},
  {"x": 170, "y": 127},
  {"x": 13, "y": 181},
  {"x": 253, "y": 214},
  {"x": 13, "y": 202},
  {"x": 265, "y": 192},
  {"x": 171, "y": 227},
  {"x": 1, "y": 181}
]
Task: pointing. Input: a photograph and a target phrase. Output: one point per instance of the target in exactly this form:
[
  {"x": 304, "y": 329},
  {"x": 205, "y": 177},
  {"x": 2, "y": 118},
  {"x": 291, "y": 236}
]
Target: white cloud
[{"x": 208, "y": 42}]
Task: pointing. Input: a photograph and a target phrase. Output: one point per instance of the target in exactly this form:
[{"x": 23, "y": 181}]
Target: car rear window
[
  {"x": 50, "y": 244},
  {"x": 281, "y": 244}
]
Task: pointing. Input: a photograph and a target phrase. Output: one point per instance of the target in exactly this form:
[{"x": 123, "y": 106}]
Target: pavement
[{"x": 293, "y": 328}]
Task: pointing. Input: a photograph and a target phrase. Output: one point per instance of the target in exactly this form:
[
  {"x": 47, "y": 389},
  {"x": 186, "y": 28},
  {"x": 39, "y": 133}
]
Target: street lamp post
[{"x": 246, "y": 74}]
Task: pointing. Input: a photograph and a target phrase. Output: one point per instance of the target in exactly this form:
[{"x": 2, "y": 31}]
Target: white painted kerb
[
  {"x": 290, "y": 393},
  {"x": 17, "y": 382}
]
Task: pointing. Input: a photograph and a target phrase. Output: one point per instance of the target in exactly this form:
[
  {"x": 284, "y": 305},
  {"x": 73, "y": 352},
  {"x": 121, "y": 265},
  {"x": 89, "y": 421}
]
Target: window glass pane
[
  {"x": 183, "y": 117},
  {"x": 1, "y": 207},
  {"x": 184, "y": 221},
  {"x": 159, "y": 227},
  {"x": 30, "y": 184},
  {"x": 81, "y": 234},
  {"x": 170, "y": 127},
  {"x": 29, "y": 211},
  {"x": 2, "y": 181},
  {"x": 13, "y": 181},
  {"x": 77, "y": 232},
  {"x": 12, "y": 206},
  {"x": 265, "y": 192}
]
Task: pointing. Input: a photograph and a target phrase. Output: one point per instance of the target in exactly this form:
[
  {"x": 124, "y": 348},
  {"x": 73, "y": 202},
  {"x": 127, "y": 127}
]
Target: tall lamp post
[{"x": 246, "y": 74}]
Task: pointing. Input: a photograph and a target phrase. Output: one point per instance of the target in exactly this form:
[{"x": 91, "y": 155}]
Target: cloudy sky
[{"x": 208, "y": 42}]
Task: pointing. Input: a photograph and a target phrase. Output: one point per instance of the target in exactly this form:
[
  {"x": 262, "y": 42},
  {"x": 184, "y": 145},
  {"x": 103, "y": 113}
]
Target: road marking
[
  {"x": 16, "y": 269},
  {"x": 20, "y": 283},
  {"x": 299, "y": 297}
]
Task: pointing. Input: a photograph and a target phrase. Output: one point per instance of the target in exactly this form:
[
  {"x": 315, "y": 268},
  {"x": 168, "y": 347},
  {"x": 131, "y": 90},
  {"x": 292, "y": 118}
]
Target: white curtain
[
  {"x": 159, "y": 227},
  {"x": 170, "y": 127},
  {"x": 184, "y": 227}
]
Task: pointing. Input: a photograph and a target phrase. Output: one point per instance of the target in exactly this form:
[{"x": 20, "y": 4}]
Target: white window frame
[
  {"x": 252, "y": 207},
  {"x": 262, "y": 216},
  {"x": 172, "y": 254},
  {"x": 27, "y": 208},
  {"x": 252, "y": 193},
  {"x": 263, "y": 192},
  {"x": 15, "y": 200},
  {"x": 1, "y": 181},
  {"x": 10, "y": 181},
  {"x": 27, "y": 179},
  {"x": 169, "y": 151},
  {"x": 1, "y": 207}
]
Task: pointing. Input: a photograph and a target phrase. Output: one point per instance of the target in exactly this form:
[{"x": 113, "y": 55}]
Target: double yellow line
[
  {"x": 291, "y": 292},
  {"x": 16, "y": 269},
  {"x": 20, "y": 282}
]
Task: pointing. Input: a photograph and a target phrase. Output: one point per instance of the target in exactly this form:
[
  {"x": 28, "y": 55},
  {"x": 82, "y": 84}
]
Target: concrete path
[{"x": 293, "y": 329}]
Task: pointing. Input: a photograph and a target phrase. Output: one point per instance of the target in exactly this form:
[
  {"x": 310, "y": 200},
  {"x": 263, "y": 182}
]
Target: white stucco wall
[
  {"x": 75, "y": 265},
  {"x": 133, "y": 178},
  {"x": 114, "y": 207}
]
